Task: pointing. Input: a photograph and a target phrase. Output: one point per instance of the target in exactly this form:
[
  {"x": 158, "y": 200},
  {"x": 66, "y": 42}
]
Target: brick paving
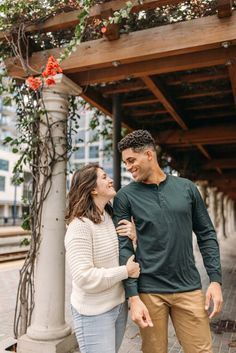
[{"x": 9, "y": 274}]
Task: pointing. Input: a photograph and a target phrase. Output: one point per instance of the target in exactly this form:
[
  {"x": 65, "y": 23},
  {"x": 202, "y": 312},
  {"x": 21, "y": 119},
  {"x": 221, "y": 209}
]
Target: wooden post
[{"x": 116, "y": 113}]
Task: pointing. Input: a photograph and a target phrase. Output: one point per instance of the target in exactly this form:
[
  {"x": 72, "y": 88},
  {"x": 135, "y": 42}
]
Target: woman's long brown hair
[{"x": 80, "y": 200}]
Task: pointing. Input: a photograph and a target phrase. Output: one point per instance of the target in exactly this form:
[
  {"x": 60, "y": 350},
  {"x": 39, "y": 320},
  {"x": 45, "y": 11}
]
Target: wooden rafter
[
  {"x": 224, "y": 8},
  {"x": 209, "y": 106},
  {"x": 176, "y": 63},
  {"x": 195, "y": 78},
  {"x": 141, "y": 101},
  {"x": 126, "y": 87},
  {"x": 204, "y": 94},
  {"x": 203, "y": 150},
  {"x": 232, "y": 75},
  {"x": 97, "y": 101},
  {"x": 217, "y": 134},
  {"x": 66, "y": 20},
  {"x": 136, "y": 46},
  {"x": 226, "y": 163},
  {"x": 163, "y": 98},
  {"x": 212, "y": 176},
  {"x": 215, "y": 115},
  {"x": 148, "y": 112}
]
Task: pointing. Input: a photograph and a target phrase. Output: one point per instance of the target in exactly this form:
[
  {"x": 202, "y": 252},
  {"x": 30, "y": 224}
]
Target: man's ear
[{"x": 149, "y": 154}]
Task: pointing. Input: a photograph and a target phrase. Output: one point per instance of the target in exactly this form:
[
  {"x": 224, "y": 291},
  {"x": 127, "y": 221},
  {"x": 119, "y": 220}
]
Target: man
[{"x": 166, "y": 209}]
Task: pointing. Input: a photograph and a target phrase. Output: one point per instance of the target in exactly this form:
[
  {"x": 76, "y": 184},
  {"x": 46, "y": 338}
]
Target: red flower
[
  {"x": 103, "y": 29},
  {"x": 33, "y": 82},
  {"x": 50, "y": 81},
  {"x": 52, "y": 68}
]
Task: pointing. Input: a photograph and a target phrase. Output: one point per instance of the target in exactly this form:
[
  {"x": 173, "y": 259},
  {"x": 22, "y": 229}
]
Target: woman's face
[{"x": 104, "y": 187}]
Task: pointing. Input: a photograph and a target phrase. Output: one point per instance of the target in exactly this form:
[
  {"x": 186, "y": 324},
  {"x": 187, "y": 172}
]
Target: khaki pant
[{"x": 189, "y": 319}]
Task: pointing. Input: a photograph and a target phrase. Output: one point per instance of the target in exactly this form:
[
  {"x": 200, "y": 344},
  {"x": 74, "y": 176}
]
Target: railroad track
[{"x": 14, "y": 255}]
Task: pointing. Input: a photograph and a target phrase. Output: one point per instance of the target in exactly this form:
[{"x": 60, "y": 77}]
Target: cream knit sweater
[{"x": 92, "y": 255}]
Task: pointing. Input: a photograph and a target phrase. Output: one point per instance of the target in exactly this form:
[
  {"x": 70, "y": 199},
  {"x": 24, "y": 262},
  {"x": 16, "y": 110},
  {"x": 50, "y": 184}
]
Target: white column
[
  {"x": 212, "y": 204},
  {"x": 226, "y": 215},
  {"x": 202, "y": 187},
  {"x": 232, "y": 215},
  {"x": 220, "y": 216},
  {"x": 49, "y": 333}
]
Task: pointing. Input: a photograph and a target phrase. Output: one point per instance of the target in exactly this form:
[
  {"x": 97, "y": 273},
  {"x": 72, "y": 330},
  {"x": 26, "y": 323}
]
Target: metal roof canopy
[{"x": 178, "y": 81}]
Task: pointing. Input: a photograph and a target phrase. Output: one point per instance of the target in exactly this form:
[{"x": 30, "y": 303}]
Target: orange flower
[
  {"x": 50, "y": 81},
  {"x": 52, "y": 68},
  {"x": 103, "y": 29},
  {"x": 34, "y": 82}
]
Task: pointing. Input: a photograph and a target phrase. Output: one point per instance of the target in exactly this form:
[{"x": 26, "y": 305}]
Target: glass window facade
[
  {"x": 4, "y": 164},
  {"x": 93, "y": 152},
  {"x": 80, "y": 153},
  {"x": 2, "y": 183}
]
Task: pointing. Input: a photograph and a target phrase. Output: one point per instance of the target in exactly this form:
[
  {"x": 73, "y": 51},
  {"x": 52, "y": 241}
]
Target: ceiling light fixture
[
  {"x": 116, "y": 63},
  {"x": 225, "y": 44}
]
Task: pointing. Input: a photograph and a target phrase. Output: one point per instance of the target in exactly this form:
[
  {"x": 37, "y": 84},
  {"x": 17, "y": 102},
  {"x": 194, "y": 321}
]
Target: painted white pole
[{"x": 49, "y": 332}]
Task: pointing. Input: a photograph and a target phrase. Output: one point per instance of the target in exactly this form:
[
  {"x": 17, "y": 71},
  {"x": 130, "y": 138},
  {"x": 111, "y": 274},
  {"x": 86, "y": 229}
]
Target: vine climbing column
[{"x": 48, "y": 331}]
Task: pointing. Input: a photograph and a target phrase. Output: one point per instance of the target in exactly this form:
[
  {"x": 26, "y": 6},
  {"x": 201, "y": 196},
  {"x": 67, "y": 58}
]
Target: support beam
[
  {"x": 203, "y": 150},
  {"x": 204, "y": 94},
  {"x": 194, "y": 78},
  {"x": 163, "y": 98},
  {"x": 212, "y": 176},
  {"x": 227, "y": 163},
  {"x": 96, "y": 100},
  {"x": 219, "y": 134},
  {"x": 70, "y": 19},
  {"x": 232, "y": 75},
  {"x": 175, "y": 63},
  {"x": 209, "y": 32},
  {"x": 224, "y": 8},
  {"x": 141, "y": 101},
  {"x": 116, "y": 115}
]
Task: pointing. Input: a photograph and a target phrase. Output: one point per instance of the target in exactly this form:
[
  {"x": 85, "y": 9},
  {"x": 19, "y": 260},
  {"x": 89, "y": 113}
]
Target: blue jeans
[{"x": 101, "y": 333}]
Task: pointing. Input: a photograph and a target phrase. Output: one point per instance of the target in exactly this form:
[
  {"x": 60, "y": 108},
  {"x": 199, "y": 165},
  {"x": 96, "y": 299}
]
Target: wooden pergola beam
[
  {"x": 97, "y": 101},
  {"x": 175, "y": 63},
  {"x": 215, "y": 115},
  {"x": 163, "y": 98},
  {"x": 66, "y": 20},
  {"x": 136, "y": 46},
  {"x": 209, "y": 106},
  {"x": 195, "y": 78},
  {"x": 123, "y": 88},
  {"x": 204, "y": 94},
  {"x": 208, "y": 135},
  {"x": 147, "y": 112},
  {"x": 232, "y": 75},
  {"x": 224, "y": 8},
  {"x": 203, "y": 150},
  {"x": 226, "y": 163},
  {"x": 141, "y": 101},
  {"x": 212, "y": 176}
]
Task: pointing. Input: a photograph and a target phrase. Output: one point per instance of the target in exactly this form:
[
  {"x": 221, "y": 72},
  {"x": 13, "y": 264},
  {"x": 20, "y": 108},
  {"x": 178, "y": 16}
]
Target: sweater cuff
[
  {"x": 120, "y": 273},
  {"x": 131, "y": 291},
  {"x": 215, "y": 277}
]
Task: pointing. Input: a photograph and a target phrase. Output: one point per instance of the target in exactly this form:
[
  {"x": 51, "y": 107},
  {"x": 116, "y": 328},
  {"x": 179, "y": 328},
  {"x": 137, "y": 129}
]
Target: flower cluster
[{"x": 52, "y": 69}]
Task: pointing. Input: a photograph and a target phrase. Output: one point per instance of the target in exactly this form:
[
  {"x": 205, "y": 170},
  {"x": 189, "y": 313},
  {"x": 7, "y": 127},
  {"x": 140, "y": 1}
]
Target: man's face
[{"x": 137, "y": 163}]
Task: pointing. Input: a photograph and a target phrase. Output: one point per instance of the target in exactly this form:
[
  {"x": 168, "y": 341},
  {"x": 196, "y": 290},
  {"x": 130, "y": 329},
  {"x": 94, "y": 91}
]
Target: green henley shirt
[{"x": 165, "y": 216}]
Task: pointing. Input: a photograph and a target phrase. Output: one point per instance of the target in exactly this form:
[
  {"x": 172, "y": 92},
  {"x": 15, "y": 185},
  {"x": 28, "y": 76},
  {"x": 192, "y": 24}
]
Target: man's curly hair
[{"x": 137, "y": 140}]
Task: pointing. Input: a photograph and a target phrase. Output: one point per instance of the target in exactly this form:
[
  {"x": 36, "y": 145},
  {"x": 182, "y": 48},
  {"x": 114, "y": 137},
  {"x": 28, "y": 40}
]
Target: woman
[{"x": 98, "y": 302}]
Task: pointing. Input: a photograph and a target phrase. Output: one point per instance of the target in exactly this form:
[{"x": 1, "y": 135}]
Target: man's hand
[
  {"x": 139, "y": 312},
  {"x": 214, "y": 293}
]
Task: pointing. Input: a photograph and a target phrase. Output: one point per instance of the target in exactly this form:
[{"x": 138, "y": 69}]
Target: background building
[
  {"x": 91, "y": 149},
  {"x": 10, "y": 194}
]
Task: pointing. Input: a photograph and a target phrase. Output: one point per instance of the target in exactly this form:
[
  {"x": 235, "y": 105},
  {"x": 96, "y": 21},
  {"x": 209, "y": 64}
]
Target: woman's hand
[
  {"x": 133, "y": 268},
  {"x": 127, "y": 229}
]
